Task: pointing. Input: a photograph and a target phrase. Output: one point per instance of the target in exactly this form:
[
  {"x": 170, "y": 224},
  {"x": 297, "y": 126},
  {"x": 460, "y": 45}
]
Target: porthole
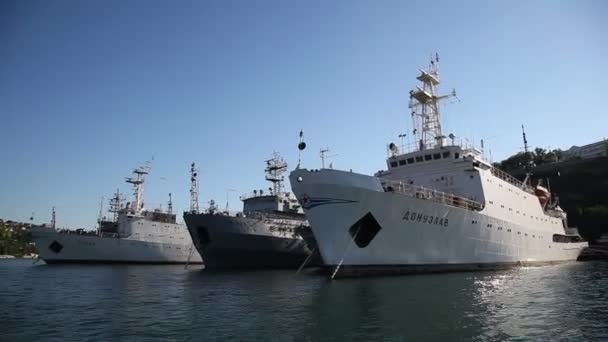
[{"x": 299, "y": 179}]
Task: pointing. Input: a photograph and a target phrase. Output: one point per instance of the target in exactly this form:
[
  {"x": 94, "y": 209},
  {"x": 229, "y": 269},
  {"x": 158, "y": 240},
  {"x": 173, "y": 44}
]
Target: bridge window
[
  {"x": 401, "y": 162},
  {"x": 428, "y": 157},
  {"x": 456, "y": 155},
  {"x": 437, "y": 156},
  {"x": 418, "y": 158},
  {"x": 410, "y": 160},
  {"x": 393, "y": 164},
  {"x": 446, "y": 154}
]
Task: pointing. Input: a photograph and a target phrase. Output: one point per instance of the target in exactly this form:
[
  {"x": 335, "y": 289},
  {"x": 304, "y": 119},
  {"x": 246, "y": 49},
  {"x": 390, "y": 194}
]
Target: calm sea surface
[{"x": 136, "y": 303}]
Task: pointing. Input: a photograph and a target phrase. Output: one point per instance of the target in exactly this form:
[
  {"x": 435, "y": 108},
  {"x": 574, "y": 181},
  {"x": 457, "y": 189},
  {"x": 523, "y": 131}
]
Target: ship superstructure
[
  {"x": 133, "y": 235},
  {"x": 438, "y": 206},
  {"x": 266, "y": 234}
]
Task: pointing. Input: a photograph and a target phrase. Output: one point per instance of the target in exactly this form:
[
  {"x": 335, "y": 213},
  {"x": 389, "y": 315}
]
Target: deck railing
[
  {"x": 431, "y": 195},
  {"x": 510, "y": 179}
]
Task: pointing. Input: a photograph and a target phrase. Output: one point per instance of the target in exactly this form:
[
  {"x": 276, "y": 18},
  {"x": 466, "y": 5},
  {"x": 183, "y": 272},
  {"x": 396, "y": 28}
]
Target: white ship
[
  {"x": 135, "y": 235},
  {"x": 439, "y": 206},
  {"x": 268, "y": 233}
]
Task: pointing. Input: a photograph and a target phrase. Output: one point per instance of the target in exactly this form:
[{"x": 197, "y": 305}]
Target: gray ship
[{"x": 268, "y": 233}]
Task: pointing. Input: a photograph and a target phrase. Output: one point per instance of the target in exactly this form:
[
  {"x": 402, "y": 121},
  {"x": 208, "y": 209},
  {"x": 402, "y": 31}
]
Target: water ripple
[{"x": 170, "y": 303}]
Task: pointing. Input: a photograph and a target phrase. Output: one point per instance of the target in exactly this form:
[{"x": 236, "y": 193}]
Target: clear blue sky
[{"x": 90, "y": 89}]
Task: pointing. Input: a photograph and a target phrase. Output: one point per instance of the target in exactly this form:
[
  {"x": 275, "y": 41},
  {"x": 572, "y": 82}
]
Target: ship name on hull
[{"x": 425, "y": 218}]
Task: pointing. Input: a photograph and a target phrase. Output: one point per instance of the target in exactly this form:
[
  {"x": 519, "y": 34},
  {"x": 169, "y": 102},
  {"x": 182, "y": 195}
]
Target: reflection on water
[{"x": 103, "y": 303}]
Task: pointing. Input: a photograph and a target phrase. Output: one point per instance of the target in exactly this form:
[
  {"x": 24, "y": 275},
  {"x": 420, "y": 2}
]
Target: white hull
[
  {"x": 436, "y": 235},
  {"x": 74, "y": 248}
]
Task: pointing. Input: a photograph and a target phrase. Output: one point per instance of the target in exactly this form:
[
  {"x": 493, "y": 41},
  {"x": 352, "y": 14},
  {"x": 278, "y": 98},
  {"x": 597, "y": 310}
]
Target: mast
[
  {"x": 193, "y": 188},
  {"x": 170, "y": 206},
  {"x": 424, "y": 103},
  {"x": 138, "y": 188},
  {"x": 53, "y": 219},
  {"x": 523, "y": 132},
  {"x": 116, "y": 204},
  {"x": 301, "y": 147},
  {"x": 322, "y": 154},
  {"x": 100, "y": 215},
  {"x": 275, "y": 168},
  {"x": 528, "y": 161}
]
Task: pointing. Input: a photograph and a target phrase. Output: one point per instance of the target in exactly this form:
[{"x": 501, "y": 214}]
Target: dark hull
[{"x": 227, "y": 242}]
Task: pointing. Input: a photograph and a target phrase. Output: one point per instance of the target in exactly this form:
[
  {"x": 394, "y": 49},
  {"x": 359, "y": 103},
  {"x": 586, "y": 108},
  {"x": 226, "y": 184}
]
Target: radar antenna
[
  {"x": 275, "y": 168},
  {"x": 193, "y": 188},
  {"x": 424, "y": 103}
]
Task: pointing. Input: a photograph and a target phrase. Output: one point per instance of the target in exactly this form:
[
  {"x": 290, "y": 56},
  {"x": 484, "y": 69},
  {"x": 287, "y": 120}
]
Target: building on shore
[{"x": 589, "y": 151}]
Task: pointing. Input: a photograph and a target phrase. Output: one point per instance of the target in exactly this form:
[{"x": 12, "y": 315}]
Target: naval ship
[
  {"x": 135, "y": 235},
  {"x": 266, "y": 234},
  {"x": 439, "y": 206}
]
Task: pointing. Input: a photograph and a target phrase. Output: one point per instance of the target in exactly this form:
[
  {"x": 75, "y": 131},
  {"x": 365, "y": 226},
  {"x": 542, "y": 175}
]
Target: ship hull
[
  {"x": 57, "y": 248},
  {"x": 403, "y": 234},
  {"x": 227, "y": 242}
]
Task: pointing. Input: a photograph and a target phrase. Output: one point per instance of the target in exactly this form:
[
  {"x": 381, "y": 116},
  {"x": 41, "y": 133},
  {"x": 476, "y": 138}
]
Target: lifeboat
[{"x": 543, "y": 195}]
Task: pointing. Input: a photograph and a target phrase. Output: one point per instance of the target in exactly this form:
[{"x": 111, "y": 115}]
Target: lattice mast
[
  {"x": 138, "y": 187},
  {"x": 424, "y": 103},
  {"x": 275, "y": 168},
  {"x": 116, "y": 204},
  {"x": 193, "y": 188}
]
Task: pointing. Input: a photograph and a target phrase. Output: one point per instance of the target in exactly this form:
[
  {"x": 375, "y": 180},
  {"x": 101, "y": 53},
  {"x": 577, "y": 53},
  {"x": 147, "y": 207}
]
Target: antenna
[
  {"x": 228, "y": 191},
  {"x": 275, "y": 168},
  {"x": 322, "y": 153},
  {"x": 53, "y": 219},
  {"x": 301, "y": 147},
  {"x": 170, "y": 205},
  {"x": 424, "y": 103},
  {"x": 193, "y": 188}
]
